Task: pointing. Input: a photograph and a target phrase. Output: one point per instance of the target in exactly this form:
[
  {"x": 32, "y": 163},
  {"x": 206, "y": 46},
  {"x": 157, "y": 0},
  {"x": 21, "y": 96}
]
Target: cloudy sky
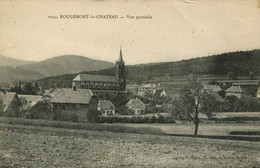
[{"x": 178, "y": 29}]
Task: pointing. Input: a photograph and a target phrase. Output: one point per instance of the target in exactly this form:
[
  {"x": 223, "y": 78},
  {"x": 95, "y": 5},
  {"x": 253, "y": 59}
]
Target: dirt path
[{"x": 30, "y": 146}]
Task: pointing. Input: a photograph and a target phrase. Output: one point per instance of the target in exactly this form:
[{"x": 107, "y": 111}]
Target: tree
[
  {"x": 230, "y": 103},
  {"x": 246, "y": 103},
  {"x": 29, "y": 89},
  {"x": 192, "y": 101}
]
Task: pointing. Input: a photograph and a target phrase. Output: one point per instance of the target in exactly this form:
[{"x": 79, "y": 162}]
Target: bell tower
[{"x": 120, "y": 71}]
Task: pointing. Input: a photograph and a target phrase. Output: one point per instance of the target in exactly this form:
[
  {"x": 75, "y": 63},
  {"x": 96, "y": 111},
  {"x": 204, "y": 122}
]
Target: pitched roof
[
  {"x": 7, "y": 99},
  {"x": 65, "y": 95},
  {"x": 234, "y": 89},
  {"x": 158, "y": 92},
  {"x": 136, "y": 103},
  {"x": 106, "y": 105},
  {"x": 212, "y": 88},
  {"x": 51, "y": 91},
  {"x": 96, "y": 78},
  {"x": 32, "y": 99}
]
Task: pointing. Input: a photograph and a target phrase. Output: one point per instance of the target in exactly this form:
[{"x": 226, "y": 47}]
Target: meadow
[{"x": 41, "y": 143}]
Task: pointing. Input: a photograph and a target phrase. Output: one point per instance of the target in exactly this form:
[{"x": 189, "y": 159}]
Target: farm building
[
  {"x": 11, "y": 104},
  {"x": 234, "y": 91},
  {"x": 106, "y": 107},
  {"x": 136, "y": 105},
  {"x": 80, "y": 105}
]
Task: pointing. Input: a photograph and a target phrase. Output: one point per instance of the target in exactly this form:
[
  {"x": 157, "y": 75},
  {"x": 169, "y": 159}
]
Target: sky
[{"x": 174, "y": 30}]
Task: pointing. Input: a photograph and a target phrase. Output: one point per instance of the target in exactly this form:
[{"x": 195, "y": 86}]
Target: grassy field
[{"x": 35, "y": 146}]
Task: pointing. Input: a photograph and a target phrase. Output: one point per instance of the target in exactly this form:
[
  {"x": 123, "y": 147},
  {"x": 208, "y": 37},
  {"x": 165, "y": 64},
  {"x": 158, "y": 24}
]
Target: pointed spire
[{"x": 120, "y": 59}]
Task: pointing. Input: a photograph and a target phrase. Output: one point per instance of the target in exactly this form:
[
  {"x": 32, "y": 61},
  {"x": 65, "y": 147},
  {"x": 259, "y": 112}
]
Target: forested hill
[{"x": 241, "y": 63}]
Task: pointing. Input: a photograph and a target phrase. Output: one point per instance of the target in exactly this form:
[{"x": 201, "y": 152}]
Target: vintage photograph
[{"x": 130, "y": 84}]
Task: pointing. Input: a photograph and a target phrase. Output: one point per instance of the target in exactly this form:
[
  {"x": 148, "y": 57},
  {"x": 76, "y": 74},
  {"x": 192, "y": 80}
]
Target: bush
[{"x": 135, "y": 119}]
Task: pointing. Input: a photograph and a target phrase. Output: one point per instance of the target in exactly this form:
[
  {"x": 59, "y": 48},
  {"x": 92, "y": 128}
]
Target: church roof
[
  {"x": 96, "y": 78},
  {"x": 82, "y": 96}
]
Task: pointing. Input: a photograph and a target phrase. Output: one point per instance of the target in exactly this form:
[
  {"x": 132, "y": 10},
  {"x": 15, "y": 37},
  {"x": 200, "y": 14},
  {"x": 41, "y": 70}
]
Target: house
[
  {"x": 79, "y": 105},
  {"x": 258, "y": 93},
  {"x": 103, "y": 85},
  {"x": 234, "y": 91},
  {"x": 106, "y": 107},
  {"x": 160, "y": 93},
  {"x": 212, "y": 88},
  {"x": 146, "y": 89},
  {"x": 11, "y": 104},
  {"x": 136, "y": 105}
]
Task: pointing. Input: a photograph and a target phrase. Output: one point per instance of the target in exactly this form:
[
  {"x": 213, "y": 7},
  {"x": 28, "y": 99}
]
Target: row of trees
[{"x": 28, "y": 88}]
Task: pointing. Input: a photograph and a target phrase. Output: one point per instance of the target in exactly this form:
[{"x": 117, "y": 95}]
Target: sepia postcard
[{"x": 129, "y": 83}]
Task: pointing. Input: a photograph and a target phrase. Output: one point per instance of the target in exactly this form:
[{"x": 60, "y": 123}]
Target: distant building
[
  {"x": 234, "y": 91},
  {"x": 146, "y": 89},
  {"x": 81, "y": 104},
  {"x": 11, "y": 104},
  {"x": 160, "y": 93},
  {"x": 106, "y": 107},
  {"x": 258, "y": 93},
  {"x": 103, "y": 85},
  {"x": 136, "y": 105}
]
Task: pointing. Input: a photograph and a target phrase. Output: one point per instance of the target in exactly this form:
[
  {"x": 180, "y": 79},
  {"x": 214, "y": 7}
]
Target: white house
[
  {"x": 234, "y": 91},
  {"x": 136, "y": 105},
  {"x": 106, "y": 107}
]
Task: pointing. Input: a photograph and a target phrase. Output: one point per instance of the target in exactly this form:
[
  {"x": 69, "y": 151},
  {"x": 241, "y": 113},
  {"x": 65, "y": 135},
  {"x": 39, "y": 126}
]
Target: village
[{"x": 101, "y": 98}]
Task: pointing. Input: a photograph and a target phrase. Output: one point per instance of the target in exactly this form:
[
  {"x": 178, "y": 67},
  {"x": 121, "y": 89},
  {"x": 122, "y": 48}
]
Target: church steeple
[
  {"x": 120, "y": 70},
  {"x": 120, "y": 59}
]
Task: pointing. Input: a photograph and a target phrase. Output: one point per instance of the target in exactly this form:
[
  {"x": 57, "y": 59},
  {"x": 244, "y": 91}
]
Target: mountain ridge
[
  {"x": 241, "y": 62},
  {"x": 9, "y": 61},
  {"x": 64, "y": 64}
]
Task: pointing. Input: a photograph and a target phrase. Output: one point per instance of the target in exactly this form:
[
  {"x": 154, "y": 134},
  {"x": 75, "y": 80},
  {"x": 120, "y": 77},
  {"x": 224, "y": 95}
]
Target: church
[{"x": 103, "y": 85}]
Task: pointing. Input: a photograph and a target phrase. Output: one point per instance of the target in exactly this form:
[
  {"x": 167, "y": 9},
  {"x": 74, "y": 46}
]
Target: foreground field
[{"x": 33, "y": 146}]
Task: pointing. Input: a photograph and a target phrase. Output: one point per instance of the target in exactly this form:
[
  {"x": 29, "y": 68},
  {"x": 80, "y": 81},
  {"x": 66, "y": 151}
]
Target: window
[
  {"x": 55, "y": 107},
  {"x": 64, "y": 107}
]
